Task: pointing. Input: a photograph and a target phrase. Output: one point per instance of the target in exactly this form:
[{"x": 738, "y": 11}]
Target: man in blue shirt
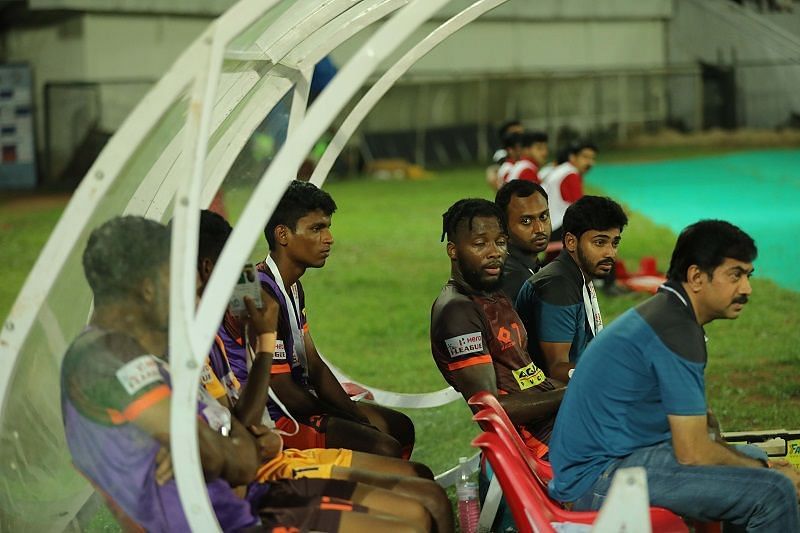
[
  {"x": 637, "y": 398},
  {"x": 558, "y": 304}
]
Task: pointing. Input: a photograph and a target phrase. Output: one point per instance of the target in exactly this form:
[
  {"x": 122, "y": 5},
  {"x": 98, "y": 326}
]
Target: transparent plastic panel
[{"x": 40, "y": 490}]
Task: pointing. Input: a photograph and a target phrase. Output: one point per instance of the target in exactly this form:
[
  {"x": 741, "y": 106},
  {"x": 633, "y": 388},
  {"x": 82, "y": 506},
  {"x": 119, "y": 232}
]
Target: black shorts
[{"x": 300, "y": 505}]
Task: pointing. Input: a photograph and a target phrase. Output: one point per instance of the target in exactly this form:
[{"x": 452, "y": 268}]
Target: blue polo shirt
[
  {"x": 647, "y": 364},
  {"x": 551, "y": 307}
]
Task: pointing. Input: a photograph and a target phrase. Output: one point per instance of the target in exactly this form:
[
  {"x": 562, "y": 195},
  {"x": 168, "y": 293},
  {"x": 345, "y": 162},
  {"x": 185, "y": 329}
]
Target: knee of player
[
  {"x": 438, "y": 498},
  {"x": 418, "y": 515},
  {"x": 421, "y": 470},
  {"x": 387, "y": 446}
]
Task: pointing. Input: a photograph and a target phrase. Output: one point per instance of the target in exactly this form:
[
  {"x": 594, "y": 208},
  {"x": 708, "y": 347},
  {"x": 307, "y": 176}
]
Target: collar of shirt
[
  {"x": 676, "y": 291},
  {"x": 526, "y": 260}
]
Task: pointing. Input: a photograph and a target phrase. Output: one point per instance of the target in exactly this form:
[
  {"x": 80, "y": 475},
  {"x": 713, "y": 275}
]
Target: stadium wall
[{"x": 762, "y": 56}]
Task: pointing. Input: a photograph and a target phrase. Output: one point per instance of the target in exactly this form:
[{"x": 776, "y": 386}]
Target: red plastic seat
[
  {"x": 494, "y": 420},
  {"x": 519, "y": 488},
  {"x": 488, "y": 403}
]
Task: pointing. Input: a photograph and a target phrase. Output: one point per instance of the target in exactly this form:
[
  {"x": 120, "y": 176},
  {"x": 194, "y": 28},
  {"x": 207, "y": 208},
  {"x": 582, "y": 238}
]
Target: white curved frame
[
  {"x": 191, "y": 339},
  {"x": 388, "y": 79},
  {"x": 292, "y": 45}
]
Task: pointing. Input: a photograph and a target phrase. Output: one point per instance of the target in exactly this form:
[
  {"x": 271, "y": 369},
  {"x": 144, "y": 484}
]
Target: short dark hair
[
  {"x": 467, "y": 209},
  {"x": 214, "y": 232},
  {"x": 706, "y": 244},
  {"x": 533, "y": 137},
  {"x": 593, "y": 213},
  {"x": 122, "y": 253},
  {"x": 512, "y": 140},
  {"x": 576, "y": 147},
  {"x": 507, "y": 125},
  {"x": 300, "y": 199},
  {"x": 518, "y": 188}
]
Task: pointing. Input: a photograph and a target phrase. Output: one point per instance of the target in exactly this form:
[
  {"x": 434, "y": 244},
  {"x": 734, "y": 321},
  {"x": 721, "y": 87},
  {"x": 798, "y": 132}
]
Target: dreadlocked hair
[{"x": 467, "y": 209}]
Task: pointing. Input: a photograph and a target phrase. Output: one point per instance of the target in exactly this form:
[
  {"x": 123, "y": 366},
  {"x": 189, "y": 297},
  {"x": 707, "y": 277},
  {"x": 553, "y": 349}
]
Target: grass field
[{"x": 369, "y": 308}]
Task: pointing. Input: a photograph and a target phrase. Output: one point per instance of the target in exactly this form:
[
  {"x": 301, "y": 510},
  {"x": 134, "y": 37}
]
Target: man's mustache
[
  {"x": 609, "y": 262},
  {"x": 743, "y": 299}
]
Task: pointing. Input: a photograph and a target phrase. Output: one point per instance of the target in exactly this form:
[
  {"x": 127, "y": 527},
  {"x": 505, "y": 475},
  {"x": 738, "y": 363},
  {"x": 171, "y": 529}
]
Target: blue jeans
[{"x": 757, "y": 498}]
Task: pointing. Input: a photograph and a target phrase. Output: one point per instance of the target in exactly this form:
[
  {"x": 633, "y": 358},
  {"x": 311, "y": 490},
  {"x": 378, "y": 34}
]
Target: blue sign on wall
[{"x": 18, "y": 157}]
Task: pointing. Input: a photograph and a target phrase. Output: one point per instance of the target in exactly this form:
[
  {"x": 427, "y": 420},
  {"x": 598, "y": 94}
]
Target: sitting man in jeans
[{"x": 637, "y": 398}]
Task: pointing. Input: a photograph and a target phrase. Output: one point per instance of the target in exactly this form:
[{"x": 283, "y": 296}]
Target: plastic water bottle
[{"x": 469, "y": 510}]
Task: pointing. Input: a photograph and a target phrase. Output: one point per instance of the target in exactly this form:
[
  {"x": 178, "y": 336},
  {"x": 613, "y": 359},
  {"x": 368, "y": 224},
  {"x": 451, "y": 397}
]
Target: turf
[{"x": 369, "y": 307}]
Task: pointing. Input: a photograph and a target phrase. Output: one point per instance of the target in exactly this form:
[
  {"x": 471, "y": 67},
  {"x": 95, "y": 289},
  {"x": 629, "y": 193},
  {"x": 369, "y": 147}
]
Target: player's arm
[
  {"x": 327, "y": 386},
  {"x": 556, "y": 355},
  {"x": 693, "y": 446},
  {"x": 253, "y": 396},
  {"x": 233, "y": 458},
  {"x": 679, "y": 370},
  {"x": 522, "y": 408},
  {"x": 550, "y": 322},
  {"x": 300, "y": 402},
  {"x": 572, "y": 188}
]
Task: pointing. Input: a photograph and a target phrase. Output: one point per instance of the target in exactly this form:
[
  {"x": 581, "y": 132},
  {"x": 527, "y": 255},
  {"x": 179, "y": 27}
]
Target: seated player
[
  {"x": 638, "y": 399},
  {"x": 385, "y": 484},
  {"x": 558, "y": 304},
  {"x": 532, "y": 157},
  {"x": 524, "y": 204},
  {"x": 299, "y": 237},
  {"x": 477, "y": 340},
  {"x": 500, "y": 156},
  {"x": 564, "y": 183},
  {"x": 512, "y": 144},
  {"x": 116, "y": 403}
]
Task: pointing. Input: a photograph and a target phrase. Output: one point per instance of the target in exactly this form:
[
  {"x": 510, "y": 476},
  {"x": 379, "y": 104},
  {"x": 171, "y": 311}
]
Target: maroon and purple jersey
[
  {"x": 285, "y": 360},
  {"x": 470, "y": 328},
  {"x": 107, "y": 381}
]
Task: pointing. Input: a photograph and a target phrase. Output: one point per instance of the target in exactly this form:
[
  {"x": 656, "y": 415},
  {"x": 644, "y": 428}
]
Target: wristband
[{"x": 265, "y": 342}]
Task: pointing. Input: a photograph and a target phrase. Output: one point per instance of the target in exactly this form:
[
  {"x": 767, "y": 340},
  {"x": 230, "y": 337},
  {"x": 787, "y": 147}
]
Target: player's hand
[
  {"x": 268, "y": 442},
  {"x": 264, "y": 320},
  {"x": 163, "y": 466},
  {"x": 788, "y": 470}
]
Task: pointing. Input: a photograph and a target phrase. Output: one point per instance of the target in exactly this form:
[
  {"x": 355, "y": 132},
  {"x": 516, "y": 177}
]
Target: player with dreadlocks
[{"x": 477, "y": 339}]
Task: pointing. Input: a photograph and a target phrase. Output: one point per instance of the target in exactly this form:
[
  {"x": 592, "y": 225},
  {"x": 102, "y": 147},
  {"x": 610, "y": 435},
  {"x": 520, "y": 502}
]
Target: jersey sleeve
[
  {"x": 113, "y": 379},
  {"x": 529, "y": 174},
  {"x": 546, "y": 311},
  {"x": 572, "y": 188},
  {"x": 681, "y": 382},
  {"x": 460, "y": 336}
]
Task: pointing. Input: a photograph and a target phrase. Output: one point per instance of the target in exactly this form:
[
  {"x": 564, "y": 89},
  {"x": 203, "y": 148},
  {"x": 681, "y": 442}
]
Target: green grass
[{"x": 369, "y": 308}]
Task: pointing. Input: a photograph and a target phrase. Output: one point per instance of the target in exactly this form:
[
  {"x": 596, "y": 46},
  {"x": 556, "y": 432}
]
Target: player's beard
[
  {"x": 475, "y": 280},
  {"x": 589, "y": 269}
]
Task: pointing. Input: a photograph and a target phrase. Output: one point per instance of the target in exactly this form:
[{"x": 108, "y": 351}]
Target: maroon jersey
[{"x": 470, "y": 328}]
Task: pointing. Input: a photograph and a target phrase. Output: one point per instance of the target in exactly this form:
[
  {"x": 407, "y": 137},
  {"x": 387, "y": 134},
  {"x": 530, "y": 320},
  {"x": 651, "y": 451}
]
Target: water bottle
[{"x": 467, "y": 492}]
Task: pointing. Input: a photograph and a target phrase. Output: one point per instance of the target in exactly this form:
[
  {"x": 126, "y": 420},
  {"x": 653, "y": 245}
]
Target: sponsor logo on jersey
[
  {"x": 465, "y": 344},
  {"x": 205, "y": 375},
  {"x": 528, "y": 376},
  {"x": 280, "y": 351},
  {"x": 138, "y": 374}
]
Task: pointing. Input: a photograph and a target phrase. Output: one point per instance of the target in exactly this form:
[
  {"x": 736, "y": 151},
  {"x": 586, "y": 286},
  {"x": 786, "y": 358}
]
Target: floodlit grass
[{"x": 369, "y": 308}]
